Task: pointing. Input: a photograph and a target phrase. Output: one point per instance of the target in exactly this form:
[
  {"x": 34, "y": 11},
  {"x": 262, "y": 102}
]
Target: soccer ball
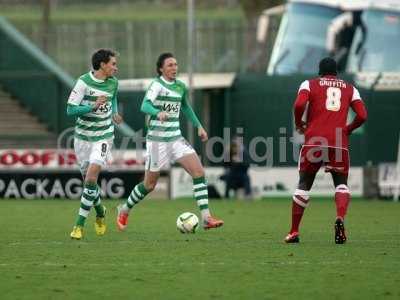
[{"x": 187, "y": 222}]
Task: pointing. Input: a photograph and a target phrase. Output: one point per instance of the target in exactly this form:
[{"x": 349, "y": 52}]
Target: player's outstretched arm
[
  {"x": 189, "y": 113},
  {"x": 148, "y": 108},
  {"x": 117, "y": 118},
  {"x": 74, "y": 106},
  {"x": 151, "y": 94},
  {"x": 78, "y": 110},
  {"x": 299, "y": 108},
  {"x": 202, "y": 134},
  {"x": 361, "y": 115}
]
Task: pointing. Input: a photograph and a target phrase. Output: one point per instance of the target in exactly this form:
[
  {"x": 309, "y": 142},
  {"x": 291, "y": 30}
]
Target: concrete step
[
  {"x": 3, "y": 94},
  {"x": 6, "y": 99},
  {"x": 22, "y": 127},
  {"x": 11, "y": 108},
  {"x": 21, "y": 122},
  {"x": 18, "y": 132},
  {"x": 39, "y": 143},
  {"x": 16, "y": 120}
]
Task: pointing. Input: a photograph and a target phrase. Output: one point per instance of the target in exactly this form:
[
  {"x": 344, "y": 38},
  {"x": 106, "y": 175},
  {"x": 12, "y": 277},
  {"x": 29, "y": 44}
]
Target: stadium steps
[{"x": 19, "y": 128}]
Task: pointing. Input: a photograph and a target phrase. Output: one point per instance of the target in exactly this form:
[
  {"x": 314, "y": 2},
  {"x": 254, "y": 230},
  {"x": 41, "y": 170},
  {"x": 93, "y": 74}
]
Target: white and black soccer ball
[{"x": 187, "y": 222}]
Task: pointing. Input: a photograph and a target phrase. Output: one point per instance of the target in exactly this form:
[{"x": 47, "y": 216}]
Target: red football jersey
[{"x": 329, "y": 99}]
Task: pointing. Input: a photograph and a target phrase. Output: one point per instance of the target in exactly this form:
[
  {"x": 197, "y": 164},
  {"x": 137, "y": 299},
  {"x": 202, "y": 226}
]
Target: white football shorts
[
  {"x": 92, "y": 153},
  {"x": 162, "y": 154}
]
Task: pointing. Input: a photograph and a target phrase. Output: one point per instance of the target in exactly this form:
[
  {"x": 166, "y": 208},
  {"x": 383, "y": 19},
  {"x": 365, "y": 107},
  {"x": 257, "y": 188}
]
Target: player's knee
[
  {"x": 342, "y": 188},
  {"x": 150, "y": 185},
  {"x": 301, "y": 197},
  {"x": 306, "y": 181},
  {"x": 91, "y": 177},
  {"x": 198, "y": 173},
  {"x": 92, "y": 173}
]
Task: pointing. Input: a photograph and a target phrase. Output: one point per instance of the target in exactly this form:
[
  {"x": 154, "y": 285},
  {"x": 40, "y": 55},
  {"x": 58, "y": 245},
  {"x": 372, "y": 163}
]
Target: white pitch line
[
  {"x": 141, "y": 242},
  {"x": 161, "y": 264}
]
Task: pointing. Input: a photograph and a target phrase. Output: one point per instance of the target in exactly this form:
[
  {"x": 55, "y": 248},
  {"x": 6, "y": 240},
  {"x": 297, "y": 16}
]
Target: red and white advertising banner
[{"x": 64, "y": 159}]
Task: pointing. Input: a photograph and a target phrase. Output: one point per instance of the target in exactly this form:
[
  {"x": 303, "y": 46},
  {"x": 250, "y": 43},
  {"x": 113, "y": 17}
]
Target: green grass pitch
[{"x": 245, "y": 259}]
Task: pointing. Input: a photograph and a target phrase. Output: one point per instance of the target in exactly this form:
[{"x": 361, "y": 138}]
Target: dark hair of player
[
  {"x": 327, "y": 66},
  {"x": 101, "y": 56},
  {"x": 160, "y": 61}
]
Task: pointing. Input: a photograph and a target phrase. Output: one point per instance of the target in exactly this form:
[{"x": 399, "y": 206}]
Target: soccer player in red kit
[{"x": 326, "y": 100}]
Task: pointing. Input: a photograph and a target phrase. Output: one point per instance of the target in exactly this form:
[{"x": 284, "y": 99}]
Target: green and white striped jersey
[
  {"x": 96, "y": 125},
  {"x": 168, "y": 97}
]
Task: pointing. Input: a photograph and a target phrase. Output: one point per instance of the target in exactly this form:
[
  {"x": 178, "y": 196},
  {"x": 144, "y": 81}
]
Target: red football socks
[
  {"x": 297, "y": 214},
  {"x": 300, "y": 202},
  {"x": 342, "y": 202}
]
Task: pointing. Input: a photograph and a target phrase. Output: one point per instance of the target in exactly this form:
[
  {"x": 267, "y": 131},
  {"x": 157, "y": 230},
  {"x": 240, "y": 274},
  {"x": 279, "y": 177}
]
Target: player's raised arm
[
  {"x": 148, "y": 106},
  {"x": 300, "y": 105},
  {"x": 191, "y": 115},
  {"x": 74, "y": 106},
  {"x": 357, "y": 105},
  {"x": 188, "y": 111},
  {"x": 114, "y": 102},
  {"x": 117, "y": 118}
]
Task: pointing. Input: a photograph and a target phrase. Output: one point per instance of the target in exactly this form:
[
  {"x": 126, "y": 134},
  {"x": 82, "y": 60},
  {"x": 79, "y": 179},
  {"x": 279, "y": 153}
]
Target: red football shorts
[{"x": 311, "y": 158}]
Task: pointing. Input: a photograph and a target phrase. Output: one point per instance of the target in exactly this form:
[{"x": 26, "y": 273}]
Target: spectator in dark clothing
[{"x": 236, "y": 175}]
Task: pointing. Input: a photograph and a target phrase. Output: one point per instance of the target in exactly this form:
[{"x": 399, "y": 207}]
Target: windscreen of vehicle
[
  {"x": 378, "y": 50},
  {"x": 301, "y": 39}
]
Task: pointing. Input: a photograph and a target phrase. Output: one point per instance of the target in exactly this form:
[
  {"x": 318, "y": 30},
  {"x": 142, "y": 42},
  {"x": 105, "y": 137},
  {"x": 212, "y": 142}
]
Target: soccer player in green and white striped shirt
[
  {"x": 165, "y": 98},
  {"x": 94, "y": 101}
]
